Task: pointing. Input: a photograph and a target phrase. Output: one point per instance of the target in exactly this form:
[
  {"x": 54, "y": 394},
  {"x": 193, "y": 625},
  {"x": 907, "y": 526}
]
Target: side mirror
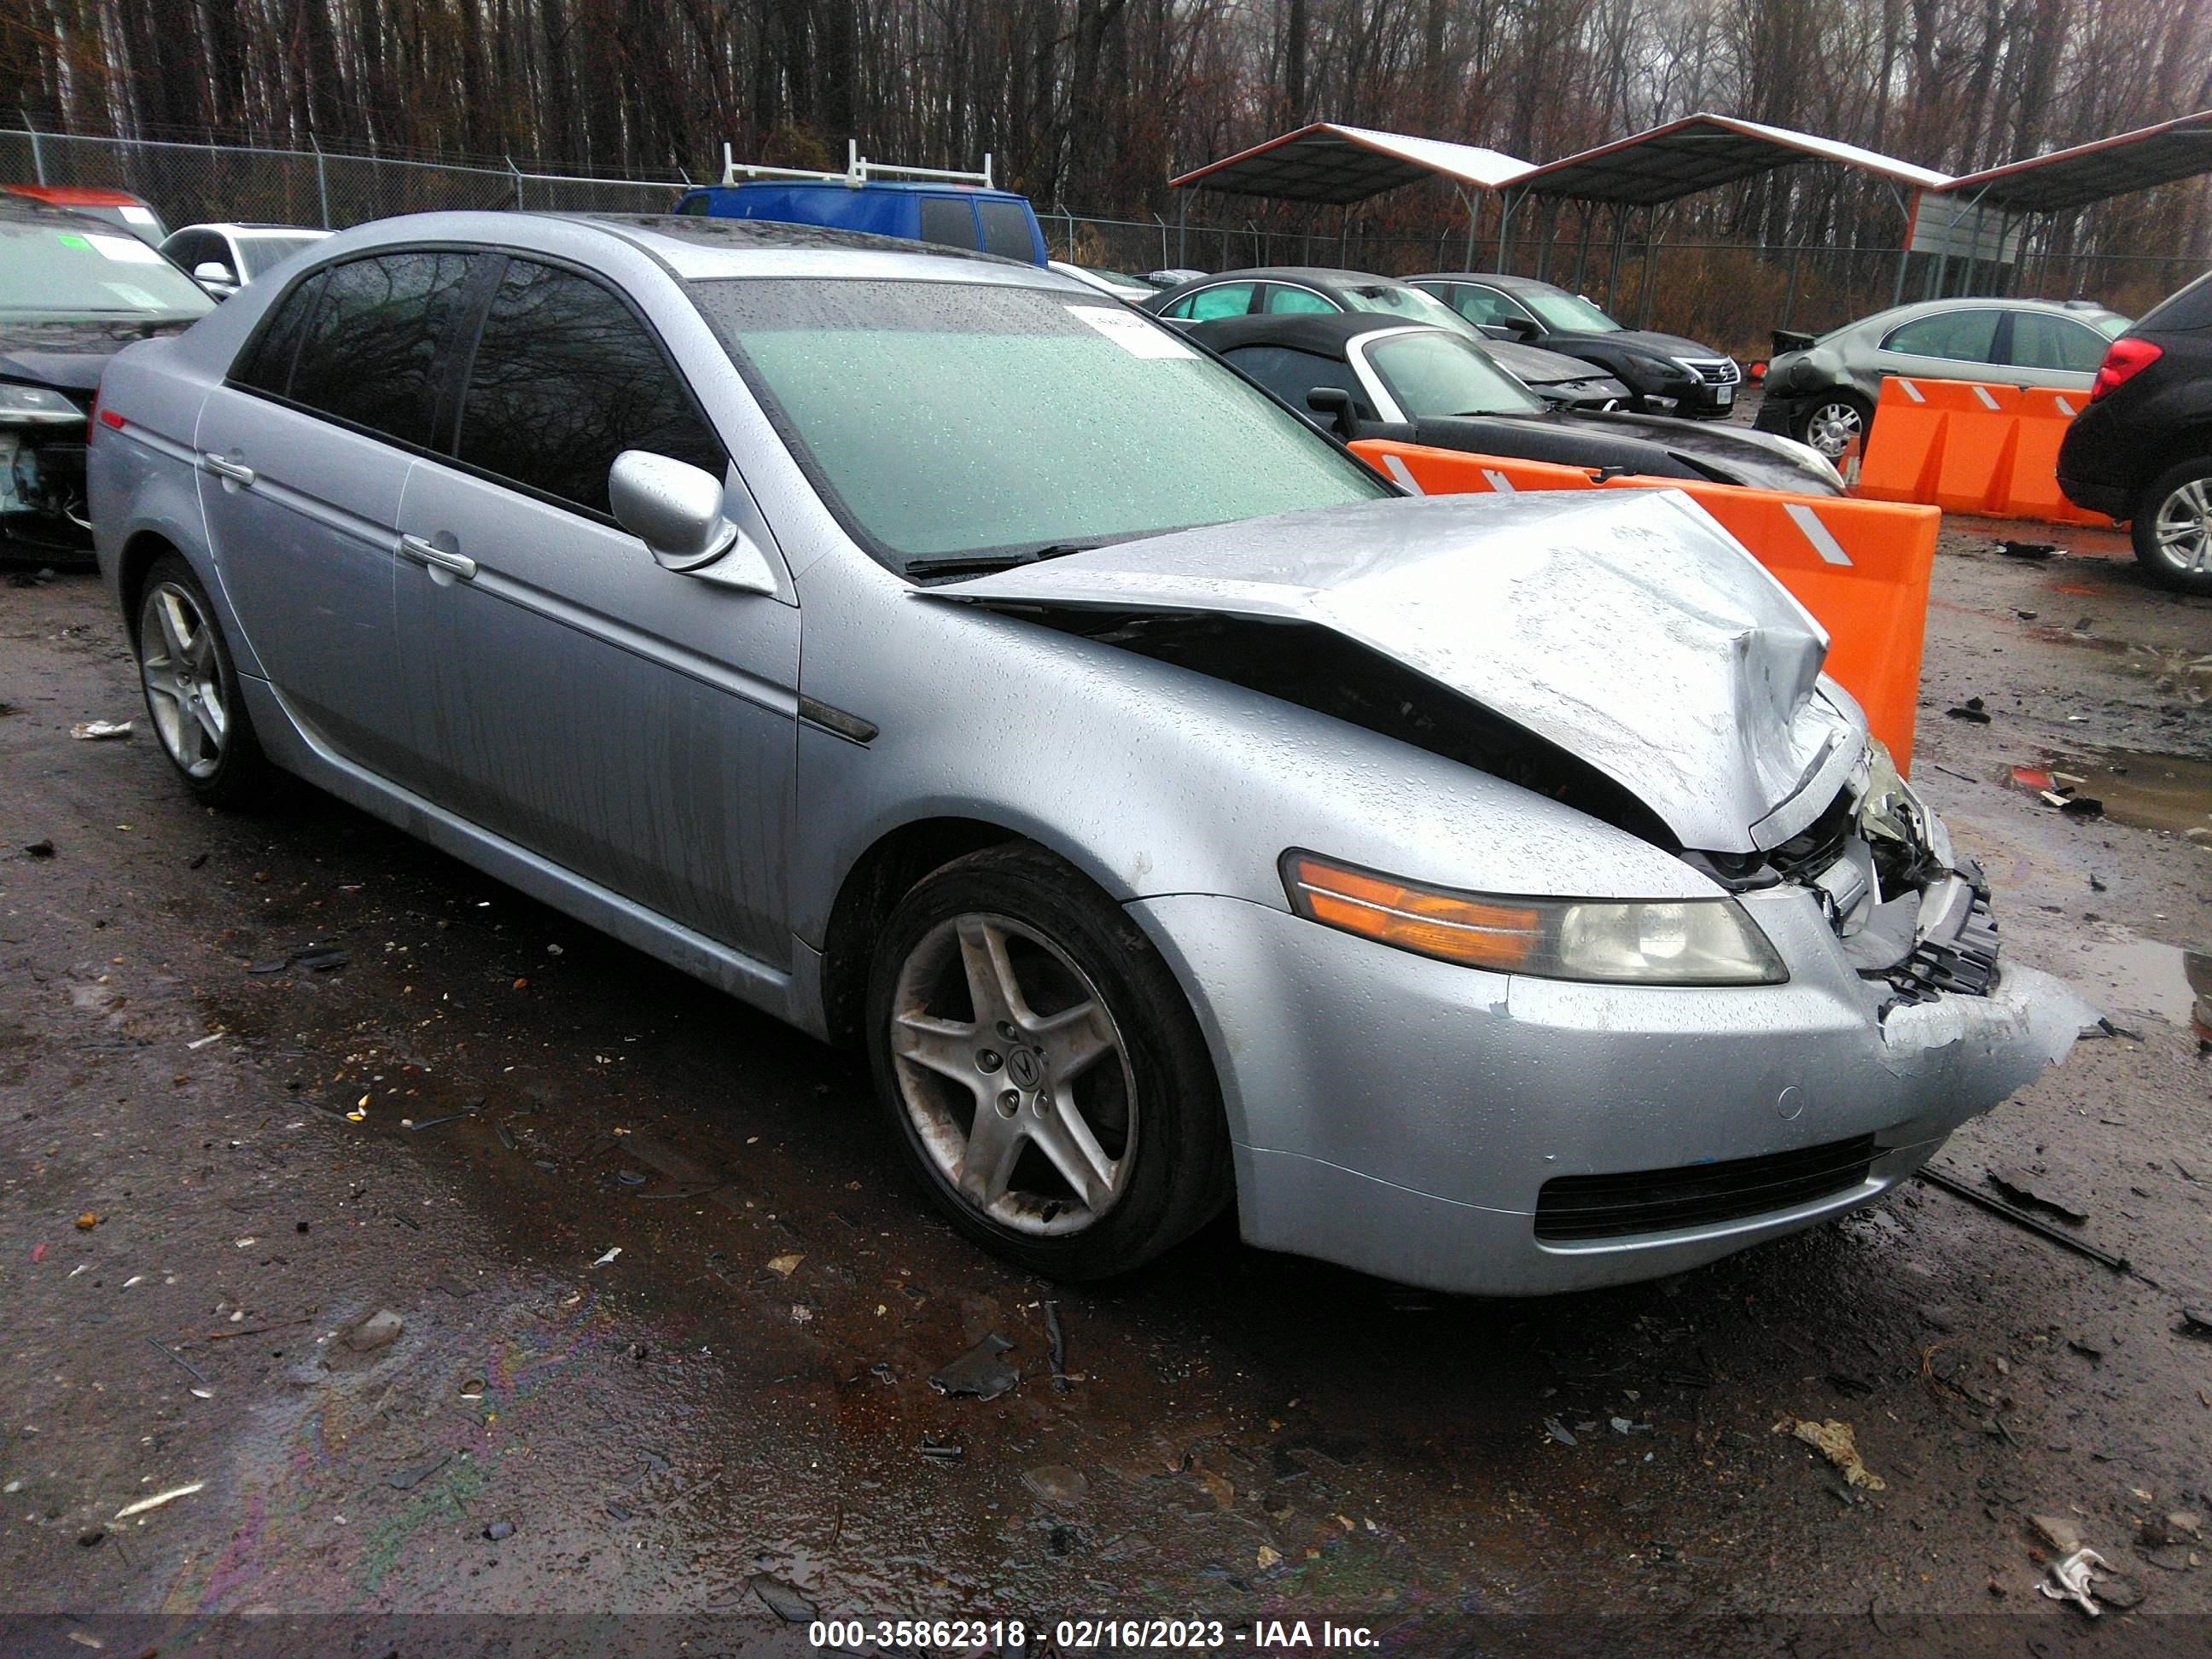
[
  {"x": 676, "y": 510},
  {"x": 1334, "y": 402},
  {"x": 217, "y": 277},
  {"x": 1519, "y": 328}
]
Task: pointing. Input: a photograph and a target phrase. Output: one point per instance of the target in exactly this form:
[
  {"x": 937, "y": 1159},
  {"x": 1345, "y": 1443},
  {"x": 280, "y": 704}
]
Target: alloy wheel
[
  {"x": 2182, "y": 530},
  {"x": 1833, "y": 428},
  {"x": 1015, "y": 1075},
  {"x": 183, "y": 679}
]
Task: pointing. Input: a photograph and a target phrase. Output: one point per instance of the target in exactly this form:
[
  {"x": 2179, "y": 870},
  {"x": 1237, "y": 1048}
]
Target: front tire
[
  {"x": 1833, "y": 422},
  {"x": 1042, "y": 1068},
  {"x": 190, "y": 685},
  {"x": 2173, "y": 526}
]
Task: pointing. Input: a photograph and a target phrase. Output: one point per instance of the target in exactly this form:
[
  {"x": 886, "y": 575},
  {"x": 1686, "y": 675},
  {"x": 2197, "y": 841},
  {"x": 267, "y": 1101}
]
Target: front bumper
[{"x": 1401, "y": 1116}]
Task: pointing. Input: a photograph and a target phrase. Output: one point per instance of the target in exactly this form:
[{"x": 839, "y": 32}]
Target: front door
[
  {"x": 633, "y": 725},
  {"x": 304, "y": 453}
]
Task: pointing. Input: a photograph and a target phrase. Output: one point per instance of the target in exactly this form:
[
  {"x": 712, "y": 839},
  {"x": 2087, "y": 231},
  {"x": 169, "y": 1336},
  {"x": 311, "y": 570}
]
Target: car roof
[
  {"x": 1325, "y": 335},
  {"x": 238, "y": 227},
  {"x": 1494, "y": 279},
  {"x": 75, "y": 195},
  {"x": 34, "y": 211}
]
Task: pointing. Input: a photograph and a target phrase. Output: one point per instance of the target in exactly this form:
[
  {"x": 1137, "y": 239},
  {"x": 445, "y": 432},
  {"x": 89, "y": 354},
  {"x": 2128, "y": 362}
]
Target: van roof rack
[{"x": 858, "y": 171}]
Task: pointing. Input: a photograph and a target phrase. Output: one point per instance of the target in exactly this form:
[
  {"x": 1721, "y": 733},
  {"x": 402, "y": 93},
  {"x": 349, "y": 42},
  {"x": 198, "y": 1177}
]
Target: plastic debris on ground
[
  {"x": 1835, "y": 1442},
  {"x": 785, "y": 1602},
  {"x": 2033, "y": 1192},
  {"x": 2072, "y": 1578},
  {"x": 377, "y": 1331},
  {"x": 979, "y": 1372},
  {"x": 1056, "y": 1483},
  {"x": 100, "y": 731},
  {"x": 1971, "y": 710}
]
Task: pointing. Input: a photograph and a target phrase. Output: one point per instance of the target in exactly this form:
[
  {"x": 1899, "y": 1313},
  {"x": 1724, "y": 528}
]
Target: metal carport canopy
[
  {"x": 1702, "y": 152},
  {"x": 2066, "y": 179},
  {"x": 1336, "y": 165}
]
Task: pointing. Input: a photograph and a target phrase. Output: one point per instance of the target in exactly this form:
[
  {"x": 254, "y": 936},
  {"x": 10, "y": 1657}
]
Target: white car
[{"x": 223, "y": 258}]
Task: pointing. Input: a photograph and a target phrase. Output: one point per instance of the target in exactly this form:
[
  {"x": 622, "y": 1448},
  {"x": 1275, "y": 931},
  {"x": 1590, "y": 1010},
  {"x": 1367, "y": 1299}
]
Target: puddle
[
  {"x": 2152, "y": 791},
  {"x": 2131, "y": 975}
]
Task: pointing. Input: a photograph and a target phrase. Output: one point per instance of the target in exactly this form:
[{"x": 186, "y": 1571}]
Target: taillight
[{"x": 2125, "y": 359}]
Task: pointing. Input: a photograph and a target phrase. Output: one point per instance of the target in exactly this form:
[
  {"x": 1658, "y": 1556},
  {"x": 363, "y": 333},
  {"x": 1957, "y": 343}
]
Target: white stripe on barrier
[
  {"x": 1911, "y": 390},
  {"x": 1983, "y": 392},
  {"x": 1403, "y": 474},
  {"x": 1824, "y": 542},
  {"x": 1498, "y": 482},
  {"x": 2065, "y": 408}
]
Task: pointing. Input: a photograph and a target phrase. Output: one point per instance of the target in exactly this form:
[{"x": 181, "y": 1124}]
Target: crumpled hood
[
  {"x": 68, "y": 356},
  {"x": 1625, "y": 626}
]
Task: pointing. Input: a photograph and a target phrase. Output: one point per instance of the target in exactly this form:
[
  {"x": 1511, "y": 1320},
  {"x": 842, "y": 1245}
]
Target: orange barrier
[
  {"x": 1861, "y": 568},
  {"x": 1970, "y": 447}
]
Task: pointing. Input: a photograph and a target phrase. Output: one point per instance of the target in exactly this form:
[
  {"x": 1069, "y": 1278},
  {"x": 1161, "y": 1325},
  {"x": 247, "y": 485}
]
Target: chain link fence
[
  {"x": 191, "y": 184},
  {"x": 1729, "y": 294}
]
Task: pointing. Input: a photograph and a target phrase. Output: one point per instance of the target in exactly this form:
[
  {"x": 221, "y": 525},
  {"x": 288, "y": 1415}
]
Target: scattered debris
[
  {"x": 1971, "y": 710},
  {"x": 100, "y": 731},
  {"x": 500, "y": 1531},
  {"x": 604, "y": 1260},
  {"x": 2056, "y": 1530},
  {"x": 2035, "y": 780},
  {"x": 1559, "y": 1432},
  {"x": 1835, "y": 1442},
  {"x": 87, "y": 1222},
  {"x": 1056, "y": 1483},
  {"x": 1269, "y": 1556},
  {"x": 39, "y": 849},
  {"x": 939, "y": 1451},
  {"x": 2033, "y": 1192},
  {"x": 2071, "y": 1579},
  {"x": 1623, "y": 1426},
  {"x": 2195, "y": 1322},
  {"x": 783, "y": 1265},
  {"x": 408, "y": 1479},
  {"x": 1055, "y": 1348},
  {"x": 321, "y": 958},
  {"x": 172, "y": 1355},
  {"x": 2021, "y": 1218},
  {"x": 785, "y": 1602},
  {"x": 2012, "y": 549},
  {"x": 979, "y": 1371},
  {"x": 376, "y": 1331},
  {"x": 157, "y": 1500}
]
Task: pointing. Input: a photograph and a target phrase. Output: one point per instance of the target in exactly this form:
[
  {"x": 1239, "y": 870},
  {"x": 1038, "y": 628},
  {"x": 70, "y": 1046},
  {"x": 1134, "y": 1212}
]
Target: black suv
[{"x": 2143, "y": 449}]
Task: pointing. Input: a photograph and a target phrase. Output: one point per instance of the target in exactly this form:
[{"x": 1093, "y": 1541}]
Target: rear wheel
[
  {"x": 2173, "y": 525},
  {"x": 191, "y": 689},
  {"x": 1833, "y": 422},
  {"x": 1042, "y": 1068}
]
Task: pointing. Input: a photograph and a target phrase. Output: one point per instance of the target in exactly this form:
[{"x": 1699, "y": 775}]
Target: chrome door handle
[
  {"x": 423, "y": 550},
  {"x": 231, "y": 470}
]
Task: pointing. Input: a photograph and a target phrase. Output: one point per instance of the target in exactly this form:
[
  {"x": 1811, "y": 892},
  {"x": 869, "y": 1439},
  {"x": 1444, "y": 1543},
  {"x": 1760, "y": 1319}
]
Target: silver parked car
[
  {"x": 1488, "y": 892},
  {"x": 1824, "y": 391},
  {"x": 223, "y": 258}
]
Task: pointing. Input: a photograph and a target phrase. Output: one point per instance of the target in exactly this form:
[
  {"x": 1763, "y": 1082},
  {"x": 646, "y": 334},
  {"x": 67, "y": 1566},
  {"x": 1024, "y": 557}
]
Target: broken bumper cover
[{"x": 1403, "y": 1117}]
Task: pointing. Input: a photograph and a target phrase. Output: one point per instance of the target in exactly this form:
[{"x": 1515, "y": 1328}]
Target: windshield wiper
[{"x": 978, "y": 563}]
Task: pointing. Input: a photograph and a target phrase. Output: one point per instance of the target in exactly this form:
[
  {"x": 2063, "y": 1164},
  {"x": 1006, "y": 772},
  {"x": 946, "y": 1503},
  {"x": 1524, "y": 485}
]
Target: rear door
[
  {"x": 304, "y": 451},
  {"x": 632, "y": 725},
  {"x": 1961, "y": 344}
]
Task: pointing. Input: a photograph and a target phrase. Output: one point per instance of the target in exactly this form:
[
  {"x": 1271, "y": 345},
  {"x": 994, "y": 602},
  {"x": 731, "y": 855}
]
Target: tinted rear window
[
  {"x": 372, "y": 350},
  {"x": 267, "y": 364}
]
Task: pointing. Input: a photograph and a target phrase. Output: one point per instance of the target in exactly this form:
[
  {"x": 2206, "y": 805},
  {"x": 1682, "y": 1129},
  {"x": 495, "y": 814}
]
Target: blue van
[{"x": 922, "y": 204}]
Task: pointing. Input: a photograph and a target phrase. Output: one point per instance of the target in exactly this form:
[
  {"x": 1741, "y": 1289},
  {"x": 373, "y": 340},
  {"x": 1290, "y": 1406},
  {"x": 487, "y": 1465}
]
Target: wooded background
[{"x": 1094, "y": 104}]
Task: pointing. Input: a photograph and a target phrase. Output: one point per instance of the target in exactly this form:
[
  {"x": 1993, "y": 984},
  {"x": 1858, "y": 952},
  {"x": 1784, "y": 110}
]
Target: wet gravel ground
[{"x": 667, "y": 1304}]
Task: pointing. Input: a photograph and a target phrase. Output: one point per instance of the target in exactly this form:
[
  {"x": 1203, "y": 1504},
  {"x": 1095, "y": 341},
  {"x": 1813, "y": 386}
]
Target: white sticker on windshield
[
  {"x": 136, "y": 216},
  {"x": 124, "y": 250},
  {"x": 1131, "y": 332},
  {"x": 134, "y": 296}
]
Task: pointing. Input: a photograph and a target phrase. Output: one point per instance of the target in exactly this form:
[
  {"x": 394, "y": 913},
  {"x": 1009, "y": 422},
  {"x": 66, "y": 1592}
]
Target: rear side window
[
  {"x": 565, "y": 379},
  {"x": 1966, "y": 337},
  {"x": 1283, "y": 299},
  {"x": 1006, "y": 230},
  {"x": 371, "y": 352},
  {"x": 1230, "y": 299},
  {"x": 267, "y": 364},
  {"x": 2040, "y": 340},
  {"x": 951, "y": 222}
]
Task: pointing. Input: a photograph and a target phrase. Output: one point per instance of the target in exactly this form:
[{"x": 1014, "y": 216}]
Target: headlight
[
  {"x": 1641, "y": 942},
  {"x": 35, "y": 405}
]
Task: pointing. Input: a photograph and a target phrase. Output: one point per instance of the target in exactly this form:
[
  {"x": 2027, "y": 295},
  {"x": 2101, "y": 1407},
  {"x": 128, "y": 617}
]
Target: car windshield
[
  {"x": 1396, "y": 299},
  {"x": 1565, "y": 313},
  {"x": 1433, "y": 374},
  {"x": 260, "y": 253},
  {"x": 55, "y": 271},
  {"x": 946, "y": 420}
]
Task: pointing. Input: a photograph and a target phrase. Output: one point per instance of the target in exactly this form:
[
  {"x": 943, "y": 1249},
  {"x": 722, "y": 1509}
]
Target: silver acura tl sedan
[{"x": 1488, "y": 892}]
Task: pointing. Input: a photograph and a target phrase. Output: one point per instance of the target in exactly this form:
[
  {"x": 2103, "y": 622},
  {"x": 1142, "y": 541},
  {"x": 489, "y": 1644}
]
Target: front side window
[
  {"x": 1567, "y": 313},
  {"x": 945, "y": 419},
  {"x": 2040, "y": 340},
  {"x": 372, "y": 350},
  {"x": 1966, "y": 336},
  {"x": 949, "y": 222},
  {"x": 1486, "y": 305},
  {"x": 1434, "y": 375},
  {"x": 565, "y": 379},
  {"x": 1292, "y": 374},
  {"x": 1006, "y": 230}
]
